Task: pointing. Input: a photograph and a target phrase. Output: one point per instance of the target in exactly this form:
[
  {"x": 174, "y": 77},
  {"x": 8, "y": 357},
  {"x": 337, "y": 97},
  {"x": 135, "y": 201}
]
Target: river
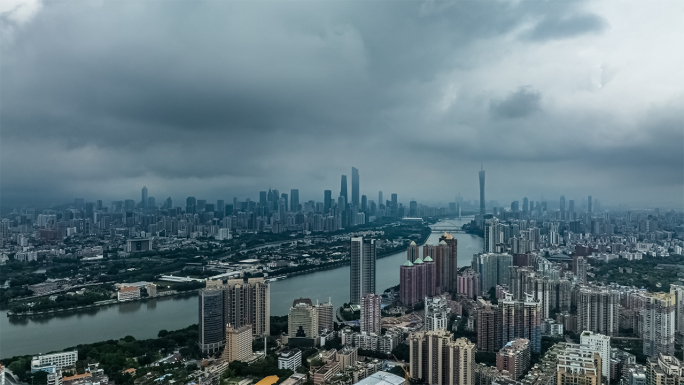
[{"x": 42, "y": 334}]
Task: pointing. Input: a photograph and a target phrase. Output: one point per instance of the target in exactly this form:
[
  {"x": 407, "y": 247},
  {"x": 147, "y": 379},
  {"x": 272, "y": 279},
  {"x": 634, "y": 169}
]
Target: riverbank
[{"x": 162, "y": 294}]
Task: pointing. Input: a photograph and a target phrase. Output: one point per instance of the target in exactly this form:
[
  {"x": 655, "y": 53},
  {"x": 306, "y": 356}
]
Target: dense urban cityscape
[
  {"x": 559, "y": 292},
  {"x": 336, "y": 192}
]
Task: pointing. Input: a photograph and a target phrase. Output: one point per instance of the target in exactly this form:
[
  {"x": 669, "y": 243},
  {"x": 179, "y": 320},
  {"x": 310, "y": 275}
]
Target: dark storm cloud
[
  {"x": 555, "y": 27},
  {"x": 518, "y": 104},
  {"x": 222, "y": 99}
]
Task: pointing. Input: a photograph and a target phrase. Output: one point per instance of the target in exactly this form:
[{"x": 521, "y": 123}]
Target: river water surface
[{"x": 42, "y": 334}]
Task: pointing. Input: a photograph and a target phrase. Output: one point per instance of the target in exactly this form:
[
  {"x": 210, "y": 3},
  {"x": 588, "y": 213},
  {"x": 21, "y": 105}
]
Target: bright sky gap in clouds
[{"x": 221, "y": 99}]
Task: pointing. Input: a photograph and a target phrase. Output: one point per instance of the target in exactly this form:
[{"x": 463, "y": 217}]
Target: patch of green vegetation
[{"x": 644, "y": 272}]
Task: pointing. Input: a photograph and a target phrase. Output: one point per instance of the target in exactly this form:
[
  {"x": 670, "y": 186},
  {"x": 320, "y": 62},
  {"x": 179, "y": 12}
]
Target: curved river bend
[{"x": 42, "y": 334}]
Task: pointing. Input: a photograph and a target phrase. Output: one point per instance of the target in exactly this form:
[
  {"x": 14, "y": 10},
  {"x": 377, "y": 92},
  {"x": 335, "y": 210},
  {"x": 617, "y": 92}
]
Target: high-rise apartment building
[
  {"x": 521, "y": 319},
  {"x": 370, "y": 314},
  {"x": 578, "y": 366},
  {"x": 211, "y": 325},
  {"x": 413, "y": 252},
  {"x": 449, "y": 267},
  {"x": 436, "y": 313},
  {"x": 248, "y": 303},
  {"x": 493, "y": 269},
  {"x": 514, "y": 357},
  {"x": 326, "y": 316},
  {"x": 355, "y": 187},
  {"x": 468, "y": 283},
  {"x": 236, "y": 302},
  {"x": 491, "y": 235},
  {"x": 678, "y": 292},
  {"x": 362, "y": 270},
  {"x": 659, "y": 324},
  {"x": 417, "y": 281},
  {"x": 597, "y": 310},
  {"x": 581, "y": 269},
  {"x": 238, "y": 343},
  {"x": 489, "y": 327},
  {"x": 443, "y": 255},
  {"x": 438, "y": 360}
]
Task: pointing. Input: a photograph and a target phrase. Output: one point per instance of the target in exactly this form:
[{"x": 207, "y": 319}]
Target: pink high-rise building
[
  {"x": 417, "y": 281},
  {"x": 408, "y": 291},
  {"x": 412, "y": 252},
  {"x": 468, "y": 283}
]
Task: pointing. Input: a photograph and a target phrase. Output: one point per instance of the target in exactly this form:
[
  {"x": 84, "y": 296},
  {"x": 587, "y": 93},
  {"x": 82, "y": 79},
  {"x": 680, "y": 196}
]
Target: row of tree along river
[{"x": 42, "y": 334}]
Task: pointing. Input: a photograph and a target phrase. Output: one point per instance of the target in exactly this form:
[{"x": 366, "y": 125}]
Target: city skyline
[
  {"x": 416, "y": 111},
  {"x": 585, "y": 202}
]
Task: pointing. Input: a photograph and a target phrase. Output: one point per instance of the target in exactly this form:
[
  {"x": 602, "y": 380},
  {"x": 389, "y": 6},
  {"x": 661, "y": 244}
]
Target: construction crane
[{"x": 407, "y": 376}]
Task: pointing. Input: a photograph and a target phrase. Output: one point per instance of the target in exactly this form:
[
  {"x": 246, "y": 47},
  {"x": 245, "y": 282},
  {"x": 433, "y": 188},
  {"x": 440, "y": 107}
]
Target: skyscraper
[
  {"x": 450, "y": 264},
  {"x": 562, "y": 208},
  {"x": 412, "y": 252},
  {"x": 482, "y": 194},
  {"x": 355, "y": 186},
  {"x": 488, "y": 328},
  {"x": 362, "y": 271},
  {"x": 144, "y": 197},
  {"x": 343, "y": 189},
  {"x": 364, "y": 203},
  {"x": 438, "y": 360},
  {"x": 659, "y": 324},
  {"x": 211, "y": 326},
  {"x": 597, "y": 310},
  {"x": 327, "y": 201},
  {"x": 370, "y": 313},
  {"x": 380, "y": 201},
  {"x": 590, "y": 205},
  {"x": 491, "y": 235},
  {"x": 191, "y": 205},
  {"x": 521, "y": 319},
  {"x": 246, "y": 303},
  {"x": 678, "y": 292},
  {"x": 294, "y": 200}
]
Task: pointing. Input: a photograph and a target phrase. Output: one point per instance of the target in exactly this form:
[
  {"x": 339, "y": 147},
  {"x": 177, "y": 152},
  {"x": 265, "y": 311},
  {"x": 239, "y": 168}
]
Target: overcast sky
[{"x": 219, "y": 99}]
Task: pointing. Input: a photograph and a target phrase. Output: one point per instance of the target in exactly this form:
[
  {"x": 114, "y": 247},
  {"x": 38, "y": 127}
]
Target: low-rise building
[
  {"x": 326, "y": 372},
  {"x": 128, "y": 293},
  {"x": 290, "y": 359},
  {"x": 50, "y": 362}
]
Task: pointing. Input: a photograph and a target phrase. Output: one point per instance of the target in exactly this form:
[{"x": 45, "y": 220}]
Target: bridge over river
[{"x": 448, "y": 226}]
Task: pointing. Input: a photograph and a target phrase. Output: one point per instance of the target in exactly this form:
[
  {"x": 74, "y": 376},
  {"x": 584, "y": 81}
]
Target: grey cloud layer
[{"x": 225, "y": 98}]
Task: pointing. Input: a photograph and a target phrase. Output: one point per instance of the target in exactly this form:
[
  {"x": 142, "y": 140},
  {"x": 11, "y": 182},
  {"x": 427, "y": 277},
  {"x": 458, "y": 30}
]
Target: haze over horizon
[{"x": 223, "y": 99}]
